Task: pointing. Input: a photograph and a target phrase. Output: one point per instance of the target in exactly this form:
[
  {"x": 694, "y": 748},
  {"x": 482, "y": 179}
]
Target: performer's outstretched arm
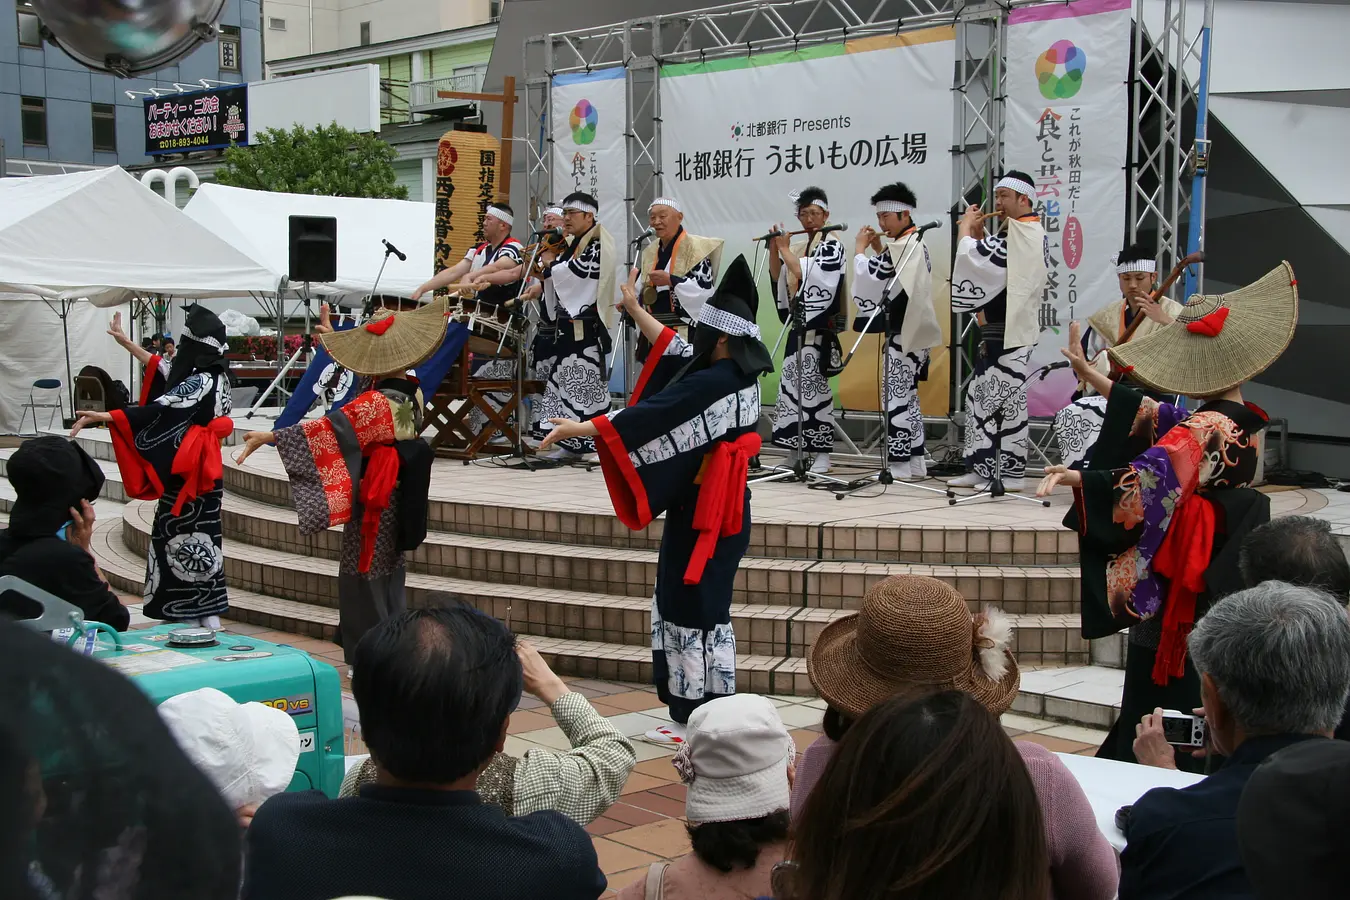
[
  {"x": 644, "y": 320},
  {"x": 445, "y": 278},
  {"x": 1081, "y": 365}
]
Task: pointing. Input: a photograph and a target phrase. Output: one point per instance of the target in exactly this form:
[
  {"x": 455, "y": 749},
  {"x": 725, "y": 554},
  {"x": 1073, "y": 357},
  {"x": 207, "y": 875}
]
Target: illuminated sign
[{"x": 200, "y": 120}]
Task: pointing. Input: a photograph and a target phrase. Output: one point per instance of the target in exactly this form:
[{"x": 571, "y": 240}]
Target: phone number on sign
[{"x": 176, "y": 143}]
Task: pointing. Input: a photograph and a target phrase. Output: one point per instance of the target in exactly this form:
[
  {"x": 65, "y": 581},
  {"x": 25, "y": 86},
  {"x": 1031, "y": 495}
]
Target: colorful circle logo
[
  {"x": 1059, "y": 70},
  {"x": 583, "y": 119}
]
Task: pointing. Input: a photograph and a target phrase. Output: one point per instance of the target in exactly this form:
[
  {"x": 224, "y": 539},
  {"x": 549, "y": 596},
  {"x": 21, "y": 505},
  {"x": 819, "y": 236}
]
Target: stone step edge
[
  {"x": 327, "y": 568},
  {"x": 249, "y": 508}
]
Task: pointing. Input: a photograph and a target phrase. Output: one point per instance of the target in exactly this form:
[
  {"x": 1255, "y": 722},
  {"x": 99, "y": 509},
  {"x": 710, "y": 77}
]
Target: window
[
  {"x": 494, "y": 10},
  {"x": 229, "y": 48},
  {"x": 105, "y": 127},
  {"x": 30, "y": 26},
  {"x": 365, "y": 33},
  {"x": 276, "y": 24},
  {"x": 33, "y": 115}
]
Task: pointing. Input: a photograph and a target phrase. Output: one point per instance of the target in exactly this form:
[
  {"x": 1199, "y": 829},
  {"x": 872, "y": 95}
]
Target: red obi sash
[
  {"x": 721, "y": 499},
  {"x": 198, "y": 461},
  {"x": 1182, "y": 559}
]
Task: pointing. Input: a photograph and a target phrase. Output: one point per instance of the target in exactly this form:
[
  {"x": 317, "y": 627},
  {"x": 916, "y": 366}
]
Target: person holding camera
[{"x": 1274, "y": 664}]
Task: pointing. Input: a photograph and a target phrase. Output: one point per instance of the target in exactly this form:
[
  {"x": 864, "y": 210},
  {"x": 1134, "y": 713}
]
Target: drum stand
[{"x": 883, "y": 475}]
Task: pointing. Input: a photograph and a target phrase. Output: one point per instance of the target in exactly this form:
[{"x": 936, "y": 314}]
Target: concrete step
[
  {"x": 826, "y": 584},
  {"x": 112, "y": 476},
  {"x": 764, "y": 674},
  {"x": 763, "y": 629},
  {"x": 1080, "y": 695}
]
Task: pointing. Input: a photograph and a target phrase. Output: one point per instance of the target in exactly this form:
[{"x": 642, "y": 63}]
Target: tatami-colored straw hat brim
[
  {"x": 914, "y": 635},
  {"x": 1218, "y": 341},
  {"x": 382, "y": 346}
]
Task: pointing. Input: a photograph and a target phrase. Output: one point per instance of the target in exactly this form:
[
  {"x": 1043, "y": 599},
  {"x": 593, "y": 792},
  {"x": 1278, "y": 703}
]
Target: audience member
[
  {"x": 249, "y": 751},
  {"x": 737, "y": 760},
  {"x": 96, "y": 798},
  {"x": 926, "y": 797},
  {"x": 580, "y": 783},
  {"x": 51, "y": 526},
  {"x": 1274, "y": 664},
  {"x": 1297, "y": 550},
  {"x": 915, "y": 634},
  {"x": 1293, "y": 822},
  {"x": 435, "y": 689}
]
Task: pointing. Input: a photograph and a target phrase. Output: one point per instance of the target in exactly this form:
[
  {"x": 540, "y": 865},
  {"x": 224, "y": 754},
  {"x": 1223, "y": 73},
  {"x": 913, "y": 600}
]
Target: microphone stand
[
  {"x": 623, "y": 329},
  {"x": 522, "y": 414},
  {"x": 883, "y": 475},
  {"x": 994, "y": 489}
]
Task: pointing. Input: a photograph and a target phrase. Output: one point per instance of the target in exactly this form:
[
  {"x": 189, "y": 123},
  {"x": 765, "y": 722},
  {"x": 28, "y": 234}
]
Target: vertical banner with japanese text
[
  {"x": 588, "y": 113},
  {"x": 739, "y": 135},
  {"x": 1065, "y": 125},
  {"x": 466, "y": 182}
]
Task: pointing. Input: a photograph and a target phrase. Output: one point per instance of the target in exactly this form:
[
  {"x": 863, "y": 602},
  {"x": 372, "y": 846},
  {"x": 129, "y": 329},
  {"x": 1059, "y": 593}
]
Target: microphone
[
  {"x": 553, "y": 233},
  {"x": 1053, "y": 366},
  {"x": 837, "y": 226},
  {"x": 930, "y": 226},
  {"x": 390, "y": 248},
  {"x": 769, "y": 236},
  {"x": 642, "y": 237}
]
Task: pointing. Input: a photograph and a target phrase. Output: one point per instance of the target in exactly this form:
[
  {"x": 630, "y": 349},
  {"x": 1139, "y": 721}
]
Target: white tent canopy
[
  {"x": 258, "y": 224},
  {"x": 104, "y": 236}
]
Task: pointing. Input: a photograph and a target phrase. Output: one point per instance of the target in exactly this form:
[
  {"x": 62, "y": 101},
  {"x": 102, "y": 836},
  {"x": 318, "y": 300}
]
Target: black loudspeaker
[{"x": 313, "y": 249}]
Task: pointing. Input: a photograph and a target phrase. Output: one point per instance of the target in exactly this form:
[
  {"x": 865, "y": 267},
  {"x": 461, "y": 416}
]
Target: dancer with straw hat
[
  {"x": 1159, "y": 533},
  {"x": 364, "y": 466}
]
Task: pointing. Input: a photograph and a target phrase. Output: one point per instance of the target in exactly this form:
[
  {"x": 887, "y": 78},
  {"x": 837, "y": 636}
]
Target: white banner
[
  {"x": 1066, "y": 127},
  {"x": 588, "y": 144},
  {"x": 738, "y": 135}
]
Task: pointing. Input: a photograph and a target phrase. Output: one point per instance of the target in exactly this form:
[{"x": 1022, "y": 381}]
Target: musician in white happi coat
[
  {"x": 678, "y": 272},
  {"x": 810, "y": 270},
  {"x": 909, "y": 320},
  {"x": 1135, "y": 315},
  {"x": 1000, "y": 277},
  {"x": 579, "y": 292},
  {"x": 546, "y": 329}
]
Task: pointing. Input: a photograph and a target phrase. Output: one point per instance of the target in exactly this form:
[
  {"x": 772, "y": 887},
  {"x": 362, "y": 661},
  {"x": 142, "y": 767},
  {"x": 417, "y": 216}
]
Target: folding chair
[{"x": 49, "y": 385}]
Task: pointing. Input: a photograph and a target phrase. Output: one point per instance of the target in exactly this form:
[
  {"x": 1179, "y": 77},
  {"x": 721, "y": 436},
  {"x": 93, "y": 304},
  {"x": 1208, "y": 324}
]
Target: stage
[{"x": 543, "y": 551}]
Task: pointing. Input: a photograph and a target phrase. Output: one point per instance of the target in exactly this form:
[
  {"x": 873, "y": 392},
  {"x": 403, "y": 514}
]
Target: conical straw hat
[
  {"x": 377, "y": 349},
  {"x": 1218, "y": 341}
]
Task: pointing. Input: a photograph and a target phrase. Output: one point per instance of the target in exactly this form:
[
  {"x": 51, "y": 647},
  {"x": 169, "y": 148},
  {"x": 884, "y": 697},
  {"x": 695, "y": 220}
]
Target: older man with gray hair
[{"x": 1274, "y": 664}]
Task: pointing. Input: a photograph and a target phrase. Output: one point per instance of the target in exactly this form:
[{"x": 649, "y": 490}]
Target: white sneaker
[
  {"x": 821, "y": 465},
  {"x": 671, "y": 735},
  {"x": 900, "y": 471},
  {"x": 918, "y": 467},
  {"x": 560, "y": 454},
  {"x": 968, "y": 480},
  {"x": 1014, "y": 485}
]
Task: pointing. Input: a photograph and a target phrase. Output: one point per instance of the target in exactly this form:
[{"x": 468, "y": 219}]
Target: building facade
[
  {"x": 57, "y": 115},
  {"x": 294, "y": 28}
]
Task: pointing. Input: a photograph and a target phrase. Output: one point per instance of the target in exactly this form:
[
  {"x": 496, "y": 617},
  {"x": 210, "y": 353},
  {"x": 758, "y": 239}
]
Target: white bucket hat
[
  {"x": 734, "y": 760},
  {"x": 248, "y": 750}
]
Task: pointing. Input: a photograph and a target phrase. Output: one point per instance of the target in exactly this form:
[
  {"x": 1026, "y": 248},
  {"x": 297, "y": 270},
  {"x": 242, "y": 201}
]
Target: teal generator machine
[{"x": 168, "y": 660}]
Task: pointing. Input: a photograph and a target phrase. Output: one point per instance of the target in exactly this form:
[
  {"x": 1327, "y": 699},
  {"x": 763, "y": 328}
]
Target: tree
[{"x": 328, "y": 160}]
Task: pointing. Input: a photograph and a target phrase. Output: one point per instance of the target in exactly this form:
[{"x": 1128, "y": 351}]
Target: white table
[{"x": 1111, "y": 784}]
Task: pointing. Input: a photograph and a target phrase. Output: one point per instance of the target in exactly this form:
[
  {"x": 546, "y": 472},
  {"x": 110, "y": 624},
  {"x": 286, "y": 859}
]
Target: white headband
[
  {"x": 498, "y": 213},
  {"x": 894, "y": 206},
  {"x": 666, "y": 201},
  {"x": 796, "y": 196},
  {"x": 727, "y": 323},
  {"x": 554, "y": 211},
  {"x": 580, "y": 206},
  {"x": 1139, "y": 265},
  {"x": 1016, "y": 184}
]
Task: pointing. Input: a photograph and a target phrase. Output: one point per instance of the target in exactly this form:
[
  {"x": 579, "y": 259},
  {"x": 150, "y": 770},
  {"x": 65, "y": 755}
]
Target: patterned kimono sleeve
[
  {"x": 822, "y": 272},
  {"x": 511, "y": 251},
  {"x": 693, "y": 289},
  {"x": 651, "y": 452},
  {"x": 979, "y": 272},
  {"x": 870, "y": 274},
  {"x": 323, "y": 458},
  {"x": 576, "y": 281}
]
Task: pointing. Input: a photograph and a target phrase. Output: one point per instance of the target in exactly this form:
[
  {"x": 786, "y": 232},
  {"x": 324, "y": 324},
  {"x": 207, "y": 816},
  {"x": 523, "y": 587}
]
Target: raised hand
[
  {"x": 81, "y": 530},
  {"x": 115, "y": 329}
]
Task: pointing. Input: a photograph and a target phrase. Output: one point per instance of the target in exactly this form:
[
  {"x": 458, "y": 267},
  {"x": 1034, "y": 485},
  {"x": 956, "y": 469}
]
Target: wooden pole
[{"x": 507, "y": 98}]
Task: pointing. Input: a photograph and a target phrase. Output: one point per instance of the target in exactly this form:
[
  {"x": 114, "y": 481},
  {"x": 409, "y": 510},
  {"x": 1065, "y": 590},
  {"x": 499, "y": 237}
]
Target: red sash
[
  {"x": 1182, "y": 559},
  {"x": 198, "y": 461},
  {"x": 377, "y": 486},
  {"x": 721, "y": 499}
]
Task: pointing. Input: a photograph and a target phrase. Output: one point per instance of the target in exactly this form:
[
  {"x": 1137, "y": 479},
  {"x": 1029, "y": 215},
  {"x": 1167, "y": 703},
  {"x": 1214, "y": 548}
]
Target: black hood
[
  {"x": 50, "y": 475},
  {"x": 201, "y": 346},
  {"x": 738, "y": 298}
]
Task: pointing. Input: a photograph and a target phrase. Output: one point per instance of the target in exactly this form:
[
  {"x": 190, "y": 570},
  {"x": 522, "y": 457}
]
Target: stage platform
[{"x": 543, "y": 551}]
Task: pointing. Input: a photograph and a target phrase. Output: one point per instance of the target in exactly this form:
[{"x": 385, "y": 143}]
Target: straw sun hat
[
  {"x": 390, "y": 341},
  {"x": 914, "y": 634},
  {"x": 1218, "y": 341}
]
